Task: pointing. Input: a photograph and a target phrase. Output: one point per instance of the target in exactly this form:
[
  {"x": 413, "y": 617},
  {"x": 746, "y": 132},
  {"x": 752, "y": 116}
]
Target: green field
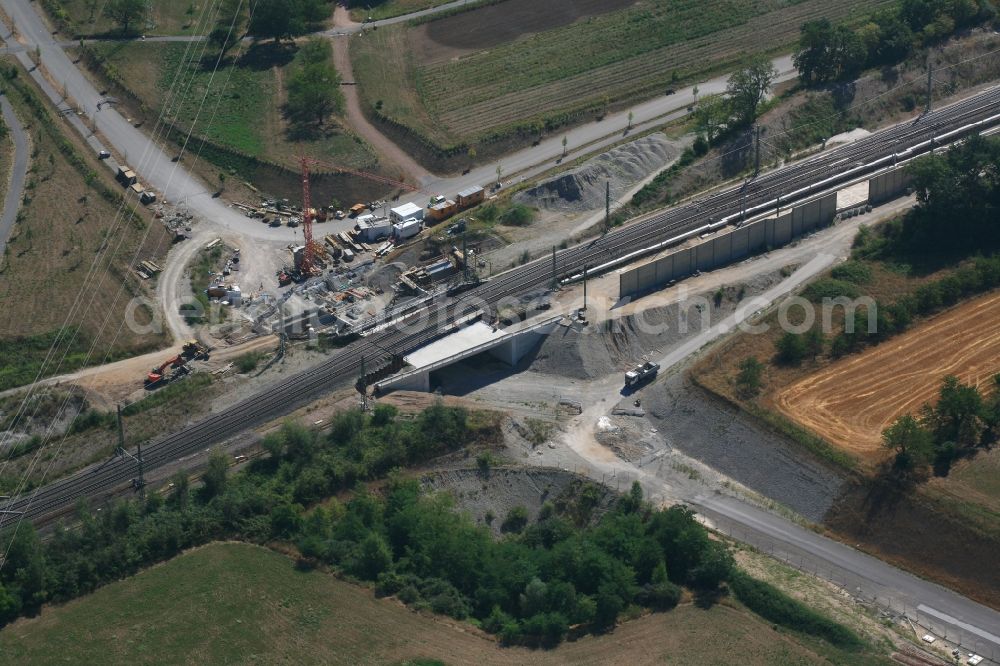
[
  {"x": 239, "y": 106},
  {"x": 166, "y": 17},
  {"x": 236, "y": 603},
  {"x": 451, "y": 89}
]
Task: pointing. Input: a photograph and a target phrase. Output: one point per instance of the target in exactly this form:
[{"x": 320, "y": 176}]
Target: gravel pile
[
  {"x": 583, "y": 188},
  {"x": 729, "y": 441},
  {"x": 385, "y": 276},
  {"x": 505, "y": 488},
  {"x": 603, "y": 348}
]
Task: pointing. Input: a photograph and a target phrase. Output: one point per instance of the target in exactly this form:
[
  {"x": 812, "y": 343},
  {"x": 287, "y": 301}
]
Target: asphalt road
[
  {"x": 176, "y": 184},
  {"x": 157, "y": 169},
  {"x": 947, "y": 613},
  {"x": 19, "y": 172},
  {"x": 977, "y": 626},
  {"x": 154, "y": 165}
]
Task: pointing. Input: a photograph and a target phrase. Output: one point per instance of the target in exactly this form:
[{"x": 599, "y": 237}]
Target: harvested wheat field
[{"x": 850, "y": 402}]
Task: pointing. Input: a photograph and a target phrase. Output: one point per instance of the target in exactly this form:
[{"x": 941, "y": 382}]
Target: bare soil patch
[
  {"x": 504, "y": 22},
  {"x": 850, "y": 402}
]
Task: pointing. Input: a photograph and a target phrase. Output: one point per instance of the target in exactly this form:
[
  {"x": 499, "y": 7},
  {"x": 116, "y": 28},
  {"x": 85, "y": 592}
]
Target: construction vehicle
[
  {"x": 194, "y": 351},
  {"x": 158, "y": 374},
  {"x": 641, "y": 374}
]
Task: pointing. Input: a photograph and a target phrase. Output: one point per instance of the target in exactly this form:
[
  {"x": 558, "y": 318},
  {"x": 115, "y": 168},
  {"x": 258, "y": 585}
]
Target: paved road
[
  {"x": 862, "y": 574},
  {"x": 19, "y": 172},
  {"x": 352, "y": 28},
  {"x": 523, "y": 164},
  {"x": 153, "y": 164},
  {"x": 177, "y": 184}
]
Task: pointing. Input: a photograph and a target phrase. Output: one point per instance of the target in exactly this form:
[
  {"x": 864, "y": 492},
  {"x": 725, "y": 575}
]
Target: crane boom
[
  {"x": 307, "y": 231},
  {"x": 310, "y": 251}
]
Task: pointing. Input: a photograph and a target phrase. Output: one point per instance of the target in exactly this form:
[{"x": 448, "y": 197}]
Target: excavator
[
  {"x": 191, "y": 351},
  {"x": 158, "y": 374}
]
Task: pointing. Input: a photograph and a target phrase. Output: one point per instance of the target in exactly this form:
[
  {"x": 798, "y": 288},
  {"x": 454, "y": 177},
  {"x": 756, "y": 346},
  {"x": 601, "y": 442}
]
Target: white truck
[{"x": 641, "y": 373}]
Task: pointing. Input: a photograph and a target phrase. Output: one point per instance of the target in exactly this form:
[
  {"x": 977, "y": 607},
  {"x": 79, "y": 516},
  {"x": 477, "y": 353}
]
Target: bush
[
  {"x": 853, "y": 271},
  {"x": 517, "y": 215},
  {"x": 775, "y": 606},
  {"x": 750, "y": 378},
  {"x": 516, "y": 520},
  {"x": 248, "y": 362},
  {"x": 830, "y": 288},
  {"x": 92, "y": 418}
]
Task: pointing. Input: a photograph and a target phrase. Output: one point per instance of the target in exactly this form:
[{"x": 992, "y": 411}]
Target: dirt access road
[
  {"x": 850, "y": 402},
  {"x": 389, "y": 151}
]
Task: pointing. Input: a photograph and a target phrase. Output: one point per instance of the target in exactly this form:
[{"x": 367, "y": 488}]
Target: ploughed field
[
  {"x": 462, "y": 76},
  {"x": 850, "y": 402}
]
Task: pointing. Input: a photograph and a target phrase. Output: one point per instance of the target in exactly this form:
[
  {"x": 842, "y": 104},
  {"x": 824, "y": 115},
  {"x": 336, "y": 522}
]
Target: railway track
[{"x": 779, "y": 187}]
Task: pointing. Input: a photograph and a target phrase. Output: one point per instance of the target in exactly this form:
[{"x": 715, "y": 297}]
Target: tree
[
  {"x": 214, "y": 478},
  {"x": 314, "y": 84},
  {"x": 632, "y": 502},
  {"x": 712, "y": 116},
  {"x": 125, "y": 12},
  {"x": 229, "y": 25},
  {"x": 749, "y": 86},
  {"x": 374, "y": 557},
  {"x": 516, "y": 520},
  {"x": 750, "y": 378},
  {"x": 792, "y": 349},
  {"x": 911, "y": 442},
  {"x": 181, "y": 490},
  {"x": 278, "y": 19},
  {"x": 815, "y": 341},
  {"x": 814, "y": 58},
  {"x": 958, "y": 415},
  {"x": 10, "y": 606},
  {"x": 850, "y": 53},
  {"x": 272, "y": 19},
  {"x": 565, "y": 141},
  {"x": 609, "y": 605},
  {"x": 716, "y": 566}
]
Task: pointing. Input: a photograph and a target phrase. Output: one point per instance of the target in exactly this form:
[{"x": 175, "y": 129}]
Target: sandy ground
[{"x": 850, "y": 402}]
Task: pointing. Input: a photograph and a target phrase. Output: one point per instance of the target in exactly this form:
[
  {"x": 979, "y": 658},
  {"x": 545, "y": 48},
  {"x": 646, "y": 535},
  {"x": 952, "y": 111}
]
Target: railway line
[{"x": 776, "y": 188}]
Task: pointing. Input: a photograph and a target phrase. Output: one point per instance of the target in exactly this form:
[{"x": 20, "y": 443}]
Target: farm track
[{"x": 869, "y": 154}]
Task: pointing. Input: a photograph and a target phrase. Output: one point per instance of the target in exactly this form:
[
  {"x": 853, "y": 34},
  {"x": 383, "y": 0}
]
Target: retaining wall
[
  {"x": 731, "y": 245},
  {"x": 888, "y": 186}
]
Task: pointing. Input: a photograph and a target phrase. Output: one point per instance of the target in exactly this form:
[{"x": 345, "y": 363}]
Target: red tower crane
[{"x": 311, "y": 247}]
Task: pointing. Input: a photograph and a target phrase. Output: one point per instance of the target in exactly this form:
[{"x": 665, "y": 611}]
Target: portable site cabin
[
  {"x": 373, "y": 228},
  {"x": 442, "y": 210},
  {"x": 400, "y": 214},
  {"x": 471, "y": 196},
  {"x": 407, "y": 229}
]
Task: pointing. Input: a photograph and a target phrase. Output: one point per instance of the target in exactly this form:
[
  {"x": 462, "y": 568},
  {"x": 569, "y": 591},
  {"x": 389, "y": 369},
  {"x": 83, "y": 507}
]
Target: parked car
[{"x": 103, "y": 155}]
